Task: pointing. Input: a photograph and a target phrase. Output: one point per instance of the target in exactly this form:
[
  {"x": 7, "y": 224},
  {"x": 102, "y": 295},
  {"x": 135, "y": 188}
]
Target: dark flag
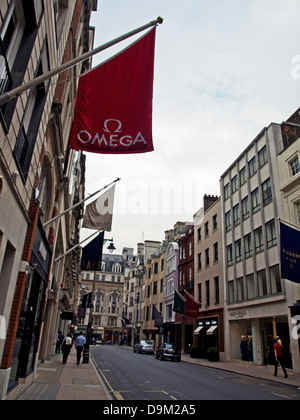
[
  {"x": 81, "y": 312},
  {"x": 290, "y": 253},
  {"x": 179, "y": 303},
  {"x": 191, "y": 306},
  {"x": 86, "y": 303},
  {"x": 158, "y": 318},
  {"x": 125, "y": 321},
  {"x": 113, "y": 112},
  {"x": 91, "y": 258}
]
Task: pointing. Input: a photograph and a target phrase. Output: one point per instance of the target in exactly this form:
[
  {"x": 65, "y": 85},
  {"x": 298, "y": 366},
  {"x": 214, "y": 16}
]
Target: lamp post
[{"x": 89, "y": 331}]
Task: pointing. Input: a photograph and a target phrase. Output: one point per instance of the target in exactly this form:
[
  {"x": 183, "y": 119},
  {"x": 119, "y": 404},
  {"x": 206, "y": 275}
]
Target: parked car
[
  {"x": 144, "y": 346},
  {"x": 168, "y": 351}
]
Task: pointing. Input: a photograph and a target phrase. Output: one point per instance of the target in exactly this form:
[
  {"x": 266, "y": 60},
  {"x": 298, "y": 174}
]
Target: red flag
[
  {"x": 113, "y": 111},
  {"x": 191, "y": 306}
]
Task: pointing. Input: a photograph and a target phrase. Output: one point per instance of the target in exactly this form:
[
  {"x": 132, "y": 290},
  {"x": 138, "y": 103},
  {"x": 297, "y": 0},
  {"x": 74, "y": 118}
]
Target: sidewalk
[
  {"x": 248, "y": 369},
  {"x": 57, "y": 381}
]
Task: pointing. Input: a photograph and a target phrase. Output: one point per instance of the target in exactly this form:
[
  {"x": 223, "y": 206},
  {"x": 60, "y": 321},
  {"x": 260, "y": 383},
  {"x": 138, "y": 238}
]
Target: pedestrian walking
[
  {"x": 66, "y": 347},
  {"x": 279, "y": 358},
  {"x": 59, "y": 340},
  {"x": 80, "y": 343}
]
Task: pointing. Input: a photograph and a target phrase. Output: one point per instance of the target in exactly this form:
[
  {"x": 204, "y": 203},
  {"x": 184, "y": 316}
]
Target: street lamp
[{"x": 111, "y": 246}]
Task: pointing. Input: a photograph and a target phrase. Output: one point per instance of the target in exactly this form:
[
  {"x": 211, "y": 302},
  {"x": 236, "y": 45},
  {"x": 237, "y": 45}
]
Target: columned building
[
  {"x": 209, "y": 289},
  {"x": 260, "y": 186},
  {"x": 108, "y": 302},
  {"x": 39, "y": 178}
]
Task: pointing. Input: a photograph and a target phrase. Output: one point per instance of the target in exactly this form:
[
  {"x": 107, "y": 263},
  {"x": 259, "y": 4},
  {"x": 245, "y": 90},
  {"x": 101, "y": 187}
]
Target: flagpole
[
  {"x": 78, "y": 204},
  {"x": 6, "y": 97},
  {"x": 74, "y": 247}
]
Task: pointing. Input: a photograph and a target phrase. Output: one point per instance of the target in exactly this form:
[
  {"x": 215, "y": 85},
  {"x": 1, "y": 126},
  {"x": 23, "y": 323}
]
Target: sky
[{"x": 224, "y": 70}]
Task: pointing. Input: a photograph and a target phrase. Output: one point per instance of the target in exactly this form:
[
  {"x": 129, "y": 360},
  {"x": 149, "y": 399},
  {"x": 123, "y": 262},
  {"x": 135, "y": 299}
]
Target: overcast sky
[{"x": 224, "y": 69}]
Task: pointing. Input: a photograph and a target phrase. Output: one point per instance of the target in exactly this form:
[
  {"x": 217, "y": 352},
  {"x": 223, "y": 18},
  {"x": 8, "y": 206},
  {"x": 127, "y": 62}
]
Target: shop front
[
  {"x": 207, "y": 333},
  {"x": 31, "y": 317},
  {"x": 252, "y": 340}
]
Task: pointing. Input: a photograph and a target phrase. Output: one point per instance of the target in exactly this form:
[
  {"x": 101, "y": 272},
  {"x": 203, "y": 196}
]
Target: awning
[
  {"x": 211, "y": 330},
  {"x": 197, "y": 330}
]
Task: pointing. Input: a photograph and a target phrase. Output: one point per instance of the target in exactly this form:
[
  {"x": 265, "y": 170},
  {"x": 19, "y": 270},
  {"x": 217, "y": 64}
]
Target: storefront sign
[{"x": 238, "y": 314}]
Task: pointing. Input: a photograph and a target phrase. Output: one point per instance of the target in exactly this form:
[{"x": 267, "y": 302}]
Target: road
[{"x": 139, "y": 377}]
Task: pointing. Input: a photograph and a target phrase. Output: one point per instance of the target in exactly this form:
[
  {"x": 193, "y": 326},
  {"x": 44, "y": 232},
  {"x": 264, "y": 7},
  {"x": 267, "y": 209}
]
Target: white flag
[{"x": 98, "y": 215}]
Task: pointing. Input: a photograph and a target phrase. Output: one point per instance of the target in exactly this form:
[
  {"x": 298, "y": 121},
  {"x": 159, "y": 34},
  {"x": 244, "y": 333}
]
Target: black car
[{"x": 168, "y": 351}]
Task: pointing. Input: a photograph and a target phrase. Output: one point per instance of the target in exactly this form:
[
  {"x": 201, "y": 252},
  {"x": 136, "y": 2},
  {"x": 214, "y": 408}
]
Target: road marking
[
  {"x": 282, "y": 396},
  {"x": 116, "y": 393}
]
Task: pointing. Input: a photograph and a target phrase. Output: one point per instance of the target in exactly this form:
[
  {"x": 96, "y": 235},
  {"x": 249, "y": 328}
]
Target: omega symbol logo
[{"x": 108, "y": 122}]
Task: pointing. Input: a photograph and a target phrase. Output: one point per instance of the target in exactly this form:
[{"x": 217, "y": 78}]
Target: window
[
  {"x": 199, "y": 262},
  {"x": 263, "y": 156},
  {"x": 262, "y": 283},
  {"x": 31, "y": 119},
  {"x": 215, "y": 222},
  {"x": 170, "y": 287},
  {"x": 206, "y": 229},
  {"x": 190, "y": 248},
  {"x": 117, "y": 268},
  {"x": 227, "y": 191},
  {"x": 228, "y": 220},
  {"x": 217, "y": 291},
  {"x": 155, "y": 268},
  {"x": 168, "y": 311},
  {"x": 229, "y": 255},
  {"x": 250, "y": 286},
  {"x": 255, "y": 200},
  {"x": 238, "y": 250},
  {"x": 190, "y": 273},
  {"x": 199, "y": 234},
  {"x": 252, "y": 167},
  {"x": 207, "y": 293},
  {"x": 236, "y": 215},
  {"x": 271, "y": 233},
  {"x": 155, "y": 288},
  {"x": 267, "y": 192},
  {"x": 245, "y": 208},
  {"x": 12, "y": 31},
  {"x": 275, "y": 279},
  {"x": 248, "y": 246},
  {"x": 207, "y": 257},
  {"x": 216, "y": 252},
  {"x": 259, "y": 240},
  {"x": 200, "y": 294},
  {"x": 295, "y": 167},
  {"x": 243, "y": 175},
  {"x": 234, "y": 184},
  {"x": 231, "y": 291},
  {"x": 298, "y": 213},
  {"x": 240, "y": 289}
]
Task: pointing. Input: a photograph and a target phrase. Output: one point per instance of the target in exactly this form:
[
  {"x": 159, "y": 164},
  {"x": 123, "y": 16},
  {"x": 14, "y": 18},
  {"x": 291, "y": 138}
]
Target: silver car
[{"x": 144, "y": 346}]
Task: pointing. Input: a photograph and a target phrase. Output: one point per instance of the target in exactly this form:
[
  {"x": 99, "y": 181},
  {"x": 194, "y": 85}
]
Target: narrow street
[{"x": 131, "y": 376}]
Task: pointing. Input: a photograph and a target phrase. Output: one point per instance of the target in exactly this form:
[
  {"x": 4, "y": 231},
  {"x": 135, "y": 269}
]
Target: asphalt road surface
[{"x": 139, "y": 377}]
